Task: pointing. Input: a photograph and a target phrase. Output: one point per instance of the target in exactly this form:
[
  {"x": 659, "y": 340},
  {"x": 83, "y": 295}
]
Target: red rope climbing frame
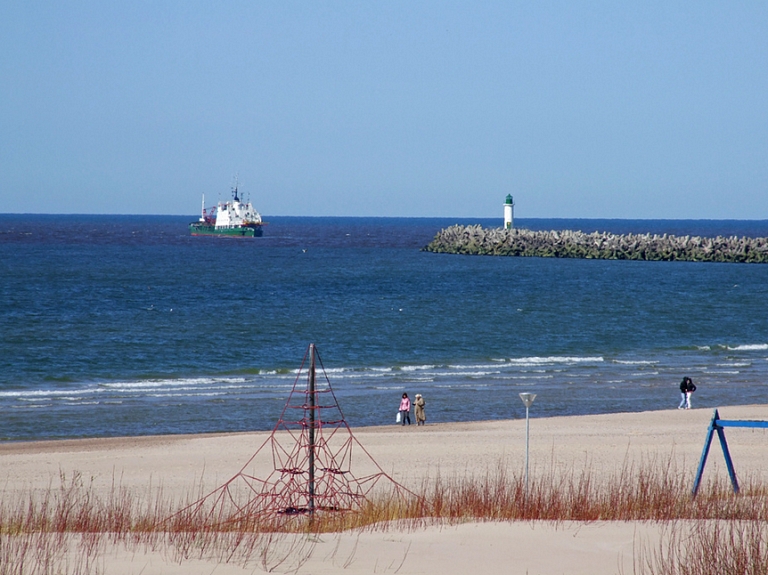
[{"x": 312, "y": 451}]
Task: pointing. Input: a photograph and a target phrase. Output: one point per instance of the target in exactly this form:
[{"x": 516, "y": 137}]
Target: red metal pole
[{"x": 311, "y": 428}]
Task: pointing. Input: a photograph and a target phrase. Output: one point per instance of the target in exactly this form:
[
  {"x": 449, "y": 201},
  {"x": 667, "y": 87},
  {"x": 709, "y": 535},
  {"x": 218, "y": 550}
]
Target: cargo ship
[{"x": 232, "y": 218}]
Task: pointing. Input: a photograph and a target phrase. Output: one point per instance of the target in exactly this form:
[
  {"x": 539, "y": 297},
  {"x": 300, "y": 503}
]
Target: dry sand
[{"x": 603, "y": 443}]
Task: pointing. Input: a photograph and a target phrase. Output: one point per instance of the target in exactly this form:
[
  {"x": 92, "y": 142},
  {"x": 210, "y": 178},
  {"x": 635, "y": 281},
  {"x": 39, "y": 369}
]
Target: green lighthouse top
[{"x": 509, "y": 199}]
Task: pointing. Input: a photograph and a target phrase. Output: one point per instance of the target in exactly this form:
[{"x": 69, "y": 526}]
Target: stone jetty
[{"x": 477, "y": 240}]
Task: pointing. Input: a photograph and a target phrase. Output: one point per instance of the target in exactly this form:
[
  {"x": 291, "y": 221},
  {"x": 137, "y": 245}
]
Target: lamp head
[{"x": 527, "y": 398}]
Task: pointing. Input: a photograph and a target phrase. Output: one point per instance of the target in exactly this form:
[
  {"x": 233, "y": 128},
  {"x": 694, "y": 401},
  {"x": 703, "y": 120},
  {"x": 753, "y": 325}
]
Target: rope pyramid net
[{"x": 311, "y": 449}]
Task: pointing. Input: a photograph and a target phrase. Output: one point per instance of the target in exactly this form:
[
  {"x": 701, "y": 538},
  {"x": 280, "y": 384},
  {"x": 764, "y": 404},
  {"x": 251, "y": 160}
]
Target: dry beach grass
[{"x": 102, "y": 506}]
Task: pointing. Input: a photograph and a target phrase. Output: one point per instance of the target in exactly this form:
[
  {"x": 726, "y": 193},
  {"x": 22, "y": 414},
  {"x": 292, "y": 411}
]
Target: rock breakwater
[{"x": 477, "y": 240}]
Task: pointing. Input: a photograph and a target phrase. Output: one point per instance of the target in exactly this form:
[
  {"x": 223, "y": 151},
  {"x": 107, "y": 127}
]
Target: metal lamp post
[{"x": 527, "y": 401}]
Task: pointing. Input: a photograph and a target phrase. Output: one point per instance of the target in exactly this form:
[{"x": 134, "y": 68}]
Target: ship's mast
[
  {"x": 202, "y": 210},
  {"x": 234, "y": 190}
]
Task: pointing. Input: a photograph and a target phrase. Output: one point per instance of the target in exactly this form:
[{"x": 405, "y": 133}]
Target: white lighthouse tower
[{"x": 509, "y": 213}]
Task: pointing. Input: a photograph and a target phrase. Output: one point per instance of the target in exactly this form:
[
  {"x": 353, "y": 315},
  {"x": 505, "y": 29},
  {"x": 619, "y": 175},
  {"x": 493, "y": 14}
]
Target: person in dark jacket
[{"x": 686, "y": 390}]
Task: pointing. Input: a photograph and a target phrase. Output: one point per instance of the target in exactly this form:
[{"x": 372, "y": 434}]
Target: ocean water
[{"x": 126, "y": 325}]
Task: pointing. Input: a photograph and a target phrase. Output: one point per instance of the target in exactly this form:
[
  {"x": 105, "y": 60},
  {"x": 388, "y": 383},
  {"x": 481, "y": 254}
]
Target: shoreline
[
  {"x": 409, "y": 453},
  {"x": 20, "y": 445}
]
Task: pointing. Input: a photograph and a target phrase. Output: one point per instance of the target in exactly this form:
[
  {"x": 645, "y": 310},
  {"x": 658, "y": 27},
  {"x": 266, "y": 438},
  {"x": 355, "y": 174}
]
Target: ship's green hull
[{"x": 248, "y": 231}]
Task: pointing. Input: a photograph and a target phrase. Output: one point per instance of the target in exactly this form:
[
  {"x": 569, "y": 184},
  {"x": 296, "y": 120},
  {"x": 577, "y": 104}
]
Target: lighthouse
[{"x": 509, "y": 213}]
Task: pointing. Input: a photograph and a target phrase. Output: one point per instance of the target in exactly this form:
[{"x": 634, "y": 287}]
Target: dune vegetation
[{"x": 66, "y": 529}]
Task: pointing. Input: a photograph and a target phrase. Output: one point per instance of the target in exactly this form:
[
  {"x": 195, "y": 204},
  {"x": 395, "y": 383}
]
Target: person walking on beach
[
  {"x": 418, "y": 410},
  {"x": 405, "y": 409},
  {"x": 686, "y": 390}
]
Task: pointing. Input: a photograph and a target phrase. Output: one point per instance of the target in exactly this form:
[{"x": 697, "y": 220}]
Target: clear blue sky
[{"x": 579, "y": 109}]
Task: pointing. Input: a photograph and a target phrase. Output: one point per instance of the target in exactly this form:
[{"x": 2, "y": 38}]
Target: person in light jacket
[
  {"x": 405, "y": 409},
  {"x": 418, "y": 410}
]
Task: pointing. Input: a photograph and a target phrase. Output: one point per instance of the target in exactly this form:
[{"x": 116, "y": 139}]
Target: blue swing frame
[{"x": 718, "y": 425}]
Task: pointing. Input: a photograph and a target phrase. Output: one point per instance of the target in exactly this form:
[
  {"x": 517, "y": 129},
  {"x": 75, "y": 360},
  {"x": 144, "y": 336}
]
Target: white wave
[
  {"x": 467, "y": 385},
  {"x": 331, "y": 370},
  {"x": 463, "y": 373},
  {"x": 703, "y": 347},
  {"x": 416, "y": 367},
  {"x": 741, "y": 364},
  {"x": 749, "y": 347},
  {"x": 46, "y": 393},
  {"x": 361, "y": 375},
  {"x": 636, "y": 362},
  {"x": 172, "y": 394},
  {"x": 139, "y": 390},
  {"x": 169, "y": 383},
  {"x": 555, "y": 360},
  {"x": 474, "y": 366}
]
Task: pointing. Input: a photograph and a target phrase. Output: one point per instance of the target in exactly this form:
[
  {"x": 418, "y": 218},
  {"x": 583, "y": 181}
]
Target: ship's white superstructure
[
  {"x": 235, "y": 213},
  {"x": 230, "y": 218}
]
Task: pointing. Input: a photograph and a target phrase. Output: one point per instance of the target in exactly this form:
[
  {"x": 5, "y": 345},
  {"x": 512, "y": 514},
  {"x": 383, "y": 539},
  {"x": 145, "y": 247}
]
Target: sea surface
[{"x": 127, "y": 325}]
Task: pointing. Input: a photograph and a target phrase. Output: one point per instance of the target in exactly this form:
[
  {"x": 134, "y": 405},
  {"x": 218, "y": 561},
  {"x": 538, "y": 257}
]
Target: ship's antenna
[{"x": 237, "y": 177}]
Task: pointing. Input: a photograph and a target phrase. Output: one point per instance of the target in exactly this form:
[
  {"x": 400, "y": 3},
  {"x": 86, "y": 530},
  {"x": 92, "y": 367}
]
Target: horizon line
[{"x": 517, "y": 218}]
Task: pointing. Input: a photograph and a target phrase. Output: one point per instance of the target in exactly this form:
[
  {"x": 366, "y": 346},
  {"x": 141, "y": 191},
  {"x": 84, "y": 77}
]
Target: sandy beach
[{"x": 604, "y": 444}]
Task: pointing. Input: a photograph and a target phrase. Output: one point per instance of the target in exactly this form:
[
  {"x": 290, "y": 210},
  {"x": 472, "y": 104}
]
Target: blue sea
[{"x": 127, "y": 325}]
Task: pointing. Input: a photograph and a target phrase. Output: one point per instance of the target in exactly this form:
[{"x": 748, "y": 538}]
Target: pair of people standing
[
  {"x": 405, "y": 410},
  {"x": 686, "y": 391}
]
